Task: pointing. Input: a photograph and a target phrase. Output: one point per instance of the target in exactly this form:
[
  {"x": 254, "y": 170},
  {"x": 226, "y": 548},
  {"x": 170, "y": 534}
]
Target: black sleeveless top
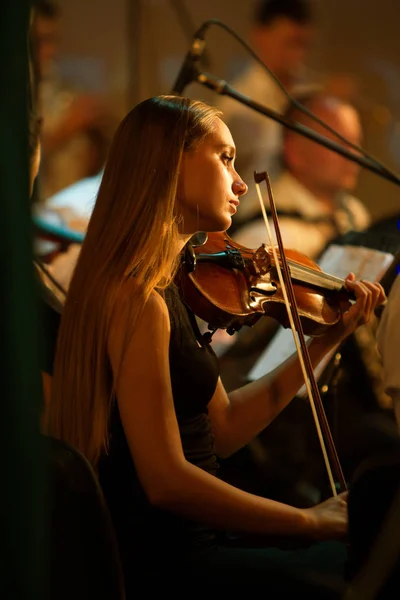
[{"x": 148, "y": 535}]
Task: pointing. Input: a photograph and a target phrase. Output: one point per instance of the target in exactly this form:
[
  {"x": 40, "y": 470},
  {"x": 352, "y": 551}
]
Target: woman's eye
[{"x": 227, "y": 158}]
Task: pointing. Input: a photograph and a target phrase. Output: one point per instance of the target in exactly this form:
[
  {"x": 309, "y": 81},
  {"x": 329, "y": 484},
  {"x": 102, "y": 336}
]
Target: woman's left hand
[{"x": 368, "y": 297}]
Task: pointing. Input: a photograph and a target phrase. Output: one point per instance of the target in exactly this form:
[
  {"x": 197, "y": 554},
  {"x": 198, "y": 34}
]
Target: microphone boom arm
[{"x": 223, "y": 88}]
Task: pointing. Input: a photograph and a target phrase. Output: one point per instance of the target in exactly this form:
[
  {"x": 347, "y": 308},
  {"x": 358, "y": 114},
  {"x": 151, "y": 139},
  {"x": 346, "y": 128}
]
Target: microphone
[{"x": 188, "y": 72}]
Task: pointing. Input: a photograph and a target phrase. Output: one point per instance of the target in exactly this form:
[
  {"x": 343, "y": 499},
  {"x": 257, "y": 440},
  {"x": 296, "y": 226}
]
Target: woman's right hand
[{"x": 329, "y": 519}]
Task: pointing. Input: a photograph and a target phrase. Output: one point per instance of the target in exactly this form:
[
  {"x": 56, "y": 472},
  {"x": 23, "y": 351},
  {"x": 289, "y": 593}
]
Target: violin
[{"x": 228, "y": 286}]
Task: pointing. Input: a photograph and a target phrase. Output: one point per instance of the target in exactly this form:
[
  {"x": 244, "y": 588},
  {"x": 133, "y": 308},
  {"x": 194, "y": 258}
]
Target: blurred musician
[{"x": 313, "y": 195}]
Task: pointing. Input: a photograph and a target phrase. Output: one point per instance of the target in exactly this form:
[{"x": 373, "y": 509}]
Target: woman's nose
[{"x": 239, "y": 187}]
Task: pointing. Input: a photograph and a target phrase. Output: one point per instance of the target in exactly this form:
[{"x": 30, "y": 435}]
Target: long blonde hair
[{"x": 133, "y": 230}]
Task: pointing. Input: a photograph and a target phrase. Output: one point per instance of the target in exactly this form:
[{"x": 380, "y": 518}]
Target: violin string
[
  {"x": 313, "y": 276},
  {"x": 312, "y": 272},
  {"x": 318, "y": 275}
]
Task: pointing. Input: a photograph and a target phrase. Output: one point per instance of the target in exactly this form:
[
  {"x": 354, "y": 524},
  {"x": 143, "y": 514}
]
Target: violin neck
[{"x": 304, "y": 274}]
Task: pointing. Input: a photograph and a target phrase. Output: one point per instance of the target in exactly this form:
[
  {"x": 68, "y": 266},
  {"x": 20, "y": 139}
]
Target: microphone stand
[{"x": 221, "y": 87}]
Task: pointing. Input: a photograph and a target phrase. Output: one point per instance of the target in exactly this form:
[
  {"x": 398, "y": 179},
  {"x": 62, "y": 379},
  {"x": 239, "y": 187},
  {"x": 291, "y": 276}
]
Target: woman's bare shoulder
[
  {"x": 131, "y": 303},
  {"x": 137, "y": 323}
]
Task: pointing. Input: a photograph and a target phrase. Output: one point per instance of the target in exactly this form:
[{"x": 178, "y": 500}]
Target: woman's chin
[
  {"x": 210, "y": 225},
  {"x": 220, "y": 224}
]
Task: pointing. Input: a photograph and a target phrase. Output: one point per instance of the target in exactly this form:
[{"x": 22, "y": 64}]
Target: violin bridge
[{"x": 262, "y": 260}]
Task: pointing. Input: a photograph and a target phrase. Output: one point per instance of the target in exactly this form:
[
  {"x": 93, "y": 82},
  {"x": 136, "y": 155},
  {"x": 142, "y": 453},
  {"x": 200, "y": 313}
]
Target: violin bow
[{"x": 321, "y": 422}]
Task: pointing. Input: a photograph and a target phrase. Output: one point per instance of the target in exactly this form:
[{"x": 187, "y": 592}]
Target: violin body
[{"x": 228, "y": 286}]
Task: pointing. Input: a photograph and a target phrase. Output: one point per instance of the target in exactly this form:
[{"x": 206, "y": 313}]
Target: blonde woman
[{"x": 137, "y": 390}]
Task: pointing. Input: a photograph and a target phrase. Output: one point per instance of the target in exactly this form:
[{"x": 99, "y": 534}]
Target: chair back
[{"x": 84, "y": 562}]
